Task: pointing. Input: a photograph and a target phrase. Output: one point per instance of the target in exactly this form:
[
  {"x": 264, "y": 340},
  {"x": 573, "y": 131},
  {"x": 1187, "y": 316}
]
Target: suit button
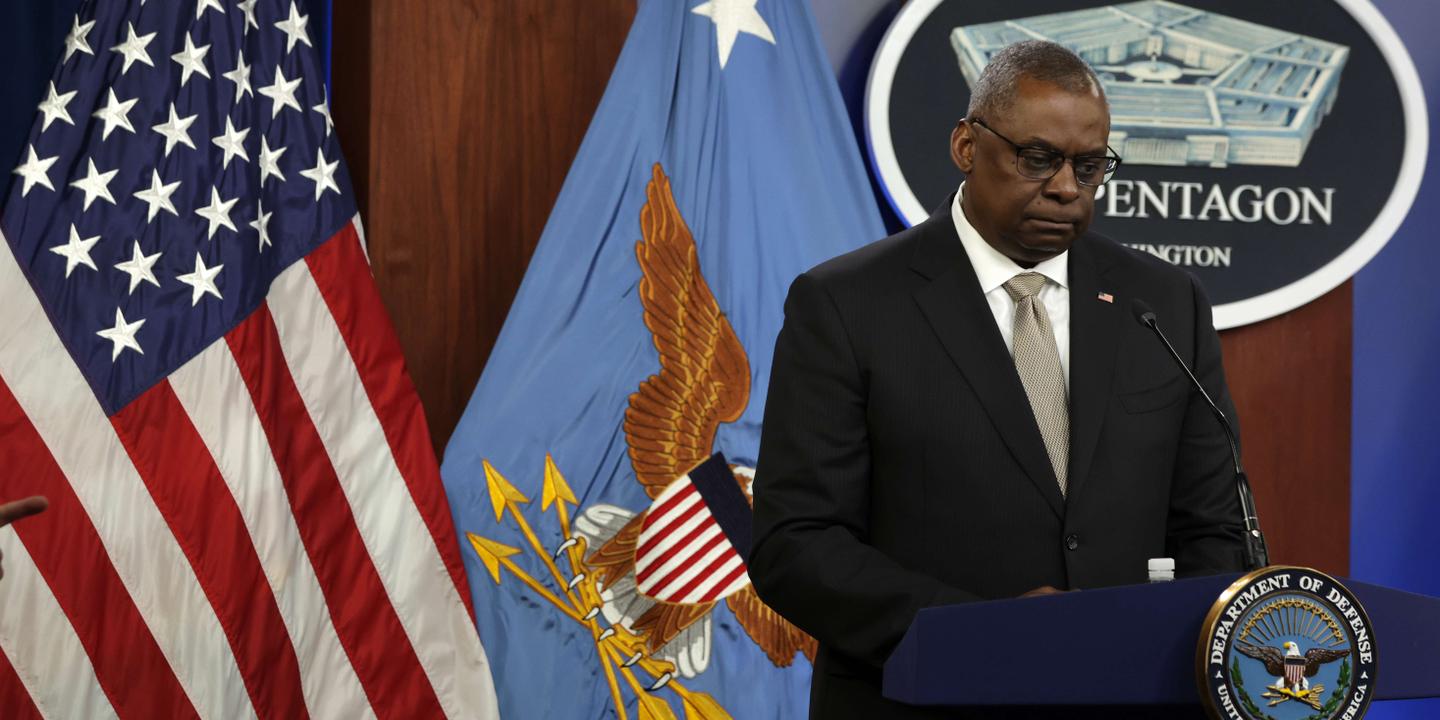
[{"x": 1072, "y": 542}]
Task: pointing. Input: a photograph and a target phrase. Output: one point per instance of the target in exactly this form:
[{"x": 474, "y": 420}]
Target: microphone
[{"x": 1257, "y": 555}]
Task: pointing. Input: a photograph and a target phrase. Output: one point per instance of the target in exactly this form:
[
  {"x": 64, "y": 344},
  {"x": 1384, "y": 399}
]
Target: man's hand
[
  {"x": 18, "y": 509},
  {"x": 1042, "y": 590}
]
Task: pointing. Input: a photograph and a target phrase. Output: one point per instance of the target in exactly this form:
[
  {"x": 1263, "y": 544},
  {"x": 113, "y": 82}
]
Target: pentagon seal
[
  {"x": 1270, "y": 148},
  {"x": 1286, "y": 643}
]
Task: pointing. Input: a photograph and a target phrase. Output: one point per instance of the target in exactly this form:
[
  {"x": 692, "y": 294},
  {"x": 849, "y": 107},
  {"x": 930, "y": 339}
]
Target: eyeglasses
[{"x": 1039, "y": 163}]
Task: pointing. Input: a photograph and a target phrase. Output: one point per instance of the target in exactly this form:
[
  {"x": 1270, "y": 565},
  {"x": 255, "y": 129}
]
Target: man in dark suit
[{"x": 968, "y": 409}]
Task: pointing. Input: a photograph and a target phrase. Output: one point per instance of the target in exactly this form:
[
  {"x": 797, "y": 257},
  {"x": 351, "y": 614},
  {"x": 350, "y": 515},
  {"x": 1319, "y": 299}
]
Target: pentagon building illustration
[{"x": 1186, "y": 86}]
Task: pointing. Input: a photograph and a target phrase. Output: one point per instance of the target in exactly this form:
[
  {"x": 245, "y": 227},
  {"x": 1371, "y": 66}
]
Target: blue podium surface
[{"x": 1132, "y": 645}]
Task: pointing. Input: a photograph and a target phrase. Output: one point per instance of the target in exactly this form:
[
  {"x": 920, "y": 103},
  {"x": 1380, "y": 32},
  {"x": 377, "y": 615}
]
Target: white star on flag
[
  {"x": 240, "y": 76},
  {"x": 203, "y": 5},
  {"x": 53, "y": 107},
  {"x": 176, "y": 130},
  {"x": 191, "y": 60},
  {"x": 233, "y": 143},
  {"x": 123, "y": 335},
  {"x": 270, "y": 161},
  {"x": 35, "y": 171},
  {"x": 138, "y": 267},
  {"x": 324, "y": 109},
  {"x": 217, "y": 213},
  {"x": 261, "y": 223},
  {"x": 323, "y": 174},
  {"x": 294, "y": 28},
  {"x": 77, "y": 251},
  {"x": 281, "y": 92},
  {"x": 248, "y": 7},
  {"x": 157, "y": 196},
  {"x": 95, "y": 184},
  {"x": 733, "y": 17},
  {"x": 116, "y": 114},
  {"x": 134, "y": 48},
  {"x": 76, "y": 41},
  {"x": 202, "y": 281}
]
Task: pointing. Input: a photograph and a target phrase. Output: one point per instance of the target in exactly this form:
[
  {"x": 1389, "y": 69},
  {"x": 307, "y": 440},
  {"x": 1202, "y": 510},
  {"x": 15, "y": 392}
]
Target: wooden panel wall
[
  {"x": 1290, "y": 377},
  {"x": 460, "y": 119}
]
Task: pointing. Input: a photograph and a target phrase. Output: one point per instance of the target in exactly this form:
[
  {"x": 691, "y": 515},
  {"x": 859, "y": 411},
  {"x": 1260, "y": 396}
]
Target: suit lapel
[
  {"x": 956, "y": 310},
  {"x": 1094, "y": 336}
]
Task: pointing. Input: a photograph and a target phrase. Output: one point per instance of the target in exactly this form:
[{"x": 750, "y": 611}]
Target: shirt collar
[{"x": 992, "y": 268}]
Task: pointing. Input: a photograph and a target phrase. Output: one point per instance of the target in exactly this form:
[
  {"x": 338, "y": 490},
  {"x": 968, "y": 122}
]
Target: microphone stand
[{"x": 1257, "y": 554}]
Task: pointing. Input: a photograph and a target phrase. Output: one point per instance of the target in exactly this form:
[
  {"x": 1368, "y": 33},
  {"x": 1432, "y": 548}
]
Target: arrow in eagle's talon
[
  {"x": 661, "y": 682},
  {"x": 572, "y": 542},
  {"x": 610, "y": 631},
  {"x": 591, "y": 615},
  {"x": 633, "y": 659},
  {"x": 577, "y": 580}
]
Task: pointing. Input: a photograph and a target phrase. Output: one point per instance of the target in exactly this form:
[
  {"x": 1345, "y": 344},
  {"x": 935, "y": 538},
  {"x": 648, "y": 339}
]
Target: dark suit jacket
[{"x": 901, "y": 466}]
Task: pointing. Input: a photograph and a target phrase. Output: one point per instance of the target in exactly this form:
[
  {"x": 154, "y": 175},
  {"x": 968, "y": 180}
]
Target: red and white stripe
[
  {"x": 683, "y": 555},
  {"x": 262, "y": 534},
  {"x": 58, "y": 679},
  {"x": 1294, "y": 672}
]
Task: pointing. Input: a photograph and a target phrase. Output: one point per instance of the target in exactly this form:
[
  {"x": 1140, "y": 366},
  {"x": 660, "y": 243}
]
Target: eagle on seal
[{"x": 1290, "y": 668}]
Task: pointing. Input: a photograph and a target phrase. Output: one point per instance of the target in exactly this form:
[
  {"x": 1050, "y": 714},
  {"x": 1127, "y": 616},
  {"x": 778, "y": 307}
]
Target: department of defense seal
[{"x": 1286, "y": 643}]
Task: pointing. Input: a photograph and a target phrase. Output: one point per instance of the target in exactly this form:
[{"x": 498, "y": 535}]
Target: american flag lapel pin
[{"x": 1107, "y": 297}]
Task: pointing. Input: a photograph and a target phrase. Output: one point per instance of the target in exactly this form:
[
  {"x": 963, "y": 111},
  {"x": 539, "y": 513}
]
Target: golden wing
[
  {"x": 775, "y": 635},
  {"x": 704, "y": 377}
]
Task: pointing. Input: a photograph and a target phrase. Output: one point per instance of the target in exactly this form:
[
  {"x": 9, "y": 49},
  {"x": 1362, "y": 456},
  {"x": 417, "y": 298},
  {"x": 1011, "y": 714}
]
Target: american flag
[{"x": 246, "y": 515}]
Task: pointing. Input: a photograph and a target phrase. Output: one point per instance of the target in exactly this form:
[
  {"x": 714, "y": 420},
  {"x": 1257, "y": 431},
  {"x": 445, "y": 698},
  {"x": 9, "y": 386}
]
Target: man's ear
[{"x": 962, "y": 147}]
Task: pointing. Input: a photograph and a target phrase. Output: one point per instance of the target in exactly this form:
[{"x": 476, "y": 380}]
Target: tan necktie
[{"x": 1038, "y": 362}]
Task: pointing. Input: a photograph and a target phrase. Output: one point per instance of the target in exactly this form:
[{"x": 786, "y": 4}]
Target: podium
[{"x": 1132, "y": 646}]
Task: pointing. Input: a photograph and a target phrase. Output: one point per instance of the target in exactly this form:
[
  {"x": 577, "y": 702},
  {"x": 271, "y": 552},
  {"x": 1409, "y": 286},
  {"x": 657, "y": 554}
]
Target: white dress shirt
[{"x": 993, "y": 270}]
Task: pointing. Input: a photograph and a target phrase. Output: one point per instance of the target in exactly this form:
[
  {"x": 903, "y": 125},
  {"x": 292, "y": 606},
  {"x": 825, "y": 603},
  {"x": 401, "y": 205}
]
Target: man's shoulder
[
  {"x": 1136, "y": 264},
  {"x": 883, "y": 261}
]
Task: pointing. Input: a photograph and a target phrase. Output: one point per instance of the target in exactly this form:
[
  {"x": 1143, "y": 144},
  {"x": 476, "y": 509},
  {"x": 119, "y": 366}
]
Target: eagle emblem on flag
[
  {"x": 666, "y": 567},
  {"x": 647, "y": 588}
]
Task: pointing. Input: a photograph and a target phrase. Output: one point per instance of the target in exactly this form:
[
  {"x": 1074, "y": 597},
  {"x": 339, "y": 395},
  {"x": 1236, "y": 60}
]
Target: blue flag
[{"x": 601, "y": 472}]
